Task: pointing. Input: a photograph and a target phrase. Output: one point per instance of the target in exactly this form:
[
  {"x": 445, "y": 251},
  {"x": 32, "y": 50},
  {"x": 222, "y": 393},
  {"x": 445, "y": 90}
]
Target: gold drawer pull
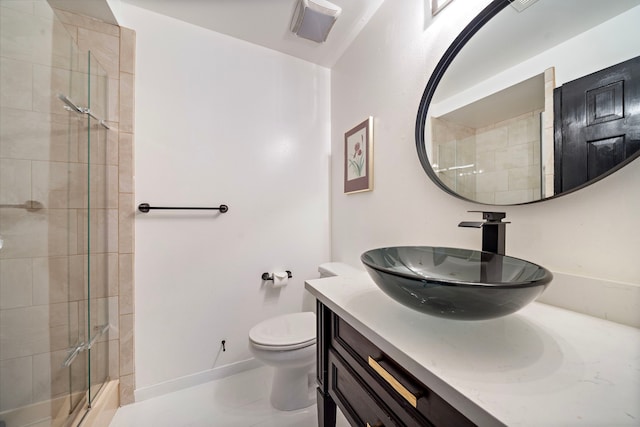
[{"x": 402, "y": 390}]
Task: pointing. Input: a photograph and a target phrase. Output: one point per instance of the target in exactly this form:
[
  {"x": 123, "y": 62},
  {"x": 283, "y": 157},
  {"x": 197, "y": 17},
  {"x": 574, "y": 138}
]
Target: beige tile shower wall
[
  {"x": 41, "y": 264},
  {"x": 508, "y": 160},
  {"x": 114, "y": 47},
  {"x": 454, "y": 147}
]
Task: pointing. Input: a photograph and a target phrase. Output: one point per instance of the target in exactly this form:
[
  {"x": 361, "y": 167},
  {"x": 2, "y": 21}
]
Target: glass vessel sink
[{"x": 456, "y": 283}]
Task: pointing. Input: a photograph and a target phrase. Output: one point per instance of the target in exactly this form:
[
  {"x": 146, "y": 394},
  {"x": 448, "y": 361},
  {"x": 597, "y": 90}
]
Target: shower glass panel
[
  {"x": 55, "y": 212},
  {"x": 101, "y": 209},
  {"x": 73, "y": 190}
]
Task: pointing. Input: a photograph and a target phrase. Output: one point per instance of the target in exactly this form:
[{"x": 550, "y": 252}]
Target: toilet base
[{"x": 293, "y": 388}]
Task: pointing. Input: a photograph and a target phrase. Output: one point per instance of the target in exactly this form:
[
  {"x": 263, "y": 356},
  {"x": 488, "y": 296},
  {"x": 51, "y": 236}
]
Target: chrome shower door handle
[
  {"x": 73, "y": 353},
  {"x": 84, "y": 346}
]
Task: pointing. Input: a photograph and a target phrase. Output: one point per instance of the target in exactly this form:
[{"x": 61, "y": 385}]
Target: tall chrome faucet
[{"x": 493, "y": 231}]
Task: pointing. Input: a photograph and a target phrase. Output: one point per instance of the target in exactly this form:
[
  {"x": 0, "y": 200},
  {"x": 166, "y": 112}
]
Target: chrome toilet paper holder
[{"x": 267, "y": 276}]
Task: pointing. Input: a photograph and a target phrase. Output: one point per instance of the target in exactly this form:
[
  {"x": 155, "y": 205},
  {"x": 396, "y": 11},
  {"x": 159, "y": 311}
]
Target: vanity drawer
[
  {"x": 357, "y": 404},
  {"x": 407, "y": 397},
  {"x": 346, "y": 339}
]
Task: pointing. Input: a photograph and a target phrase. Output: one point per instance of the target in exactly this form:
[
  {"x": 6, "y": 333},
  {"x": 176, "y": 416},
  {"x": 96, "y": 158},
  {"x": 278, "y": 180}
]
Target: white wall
[
  {"x": 592, "y": 232},
  {"x": 586, "y": 53},
  {"x": 219, "y": 120}
]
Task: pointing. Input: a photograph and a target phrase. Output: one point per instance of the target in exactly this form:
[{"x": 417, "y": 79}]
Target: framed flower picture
[{"x": 358, "y": 158}]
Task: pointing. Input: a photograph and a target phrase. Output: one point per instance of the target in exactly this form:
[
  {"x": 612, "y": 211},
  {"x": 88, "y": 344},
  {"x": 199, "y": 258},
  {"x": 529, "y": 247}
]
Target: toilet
[{"x": 288, "y": 344}]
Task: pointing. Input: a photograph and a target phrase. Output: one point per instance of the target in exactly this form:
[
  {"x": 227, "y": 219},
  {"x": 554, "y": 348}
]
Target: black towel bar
[{"x": 145, "y": 207}]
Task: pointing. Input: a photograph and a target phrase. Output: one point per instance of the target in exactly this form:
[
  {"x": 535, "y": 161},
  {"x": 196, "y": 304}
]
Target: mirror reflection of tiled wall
[
  {"x": 455, "y": 156},
  {"x": 508, "y": 156},
  {"x": 499, "y": 163}
]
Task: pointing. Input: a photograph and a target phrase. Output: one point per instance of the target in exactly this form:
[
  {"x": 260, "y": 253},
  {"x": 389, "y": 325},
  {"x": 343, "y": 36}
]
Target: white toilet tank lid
[
  {"x": 285, "y": 330},
  {"x": 337, "y": 269}
]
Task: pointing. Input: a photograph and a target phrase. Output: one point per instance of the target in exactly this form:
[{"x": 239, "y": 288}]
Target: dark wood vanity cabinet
[{"x": 368, "y": 386}]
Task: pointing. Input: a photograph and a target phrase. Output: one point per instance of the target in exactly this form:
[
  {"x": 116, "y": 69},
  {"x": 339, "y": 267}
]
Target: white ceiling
[
  {"x": 511, "y": 37},
  {"x": 266, "y": 23}
]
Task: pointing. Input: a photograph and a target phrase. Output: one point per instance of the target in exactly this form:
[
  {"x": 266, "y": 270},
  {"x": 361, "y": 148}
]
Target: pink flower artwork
[{"x": 357, "y": 160}]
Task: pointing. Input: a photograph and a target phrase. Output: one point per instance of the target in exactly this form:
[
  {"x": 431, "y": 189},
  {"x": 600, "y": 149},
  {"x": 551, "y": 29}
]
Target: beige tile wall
[
  {"x": 114, "y": 48},
  {"x": 505, "y": 159},
  {"x": 40, "y": 263},
  {"x": 508, "y": 164},
  {"x": 42, "y": 278},
  {"x": 454, "y": 145}
]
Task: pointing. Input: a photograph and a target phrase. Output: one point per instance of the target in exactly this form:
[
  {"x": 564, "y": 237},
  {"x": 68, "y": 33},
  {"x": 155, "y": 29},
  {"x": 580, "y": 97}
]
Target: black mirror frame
[{"x": 469, "y": 31}]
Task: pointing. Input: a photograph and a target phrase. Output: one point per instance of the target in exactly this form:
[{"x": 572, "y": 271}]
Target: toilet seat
[{"x": 286, "y": 332}]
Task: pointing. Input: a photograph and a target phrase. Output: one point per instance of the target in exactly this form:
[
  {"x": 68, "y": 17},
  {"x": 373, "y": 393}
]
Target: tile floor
[{"x": 241, "y": 400}]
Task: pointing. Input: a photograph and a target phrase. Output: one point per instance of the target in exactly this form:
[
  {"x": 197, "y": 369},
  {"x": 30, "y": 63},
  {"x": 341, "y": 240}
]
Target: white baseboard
[
  {"x": 615, "y": 301},
  {"x": 195, "y": 379}
]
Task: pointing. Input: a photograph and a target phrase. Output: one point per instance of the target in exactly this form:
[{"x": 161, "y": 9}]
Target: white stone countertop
[{"x": 541, "y": 366}]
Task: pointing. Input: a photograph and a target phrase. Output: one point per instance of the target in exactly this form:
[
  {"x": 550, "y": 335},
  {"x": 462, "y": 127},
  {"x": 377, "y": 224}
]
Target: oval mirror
[{"x": 533, "y": 102}]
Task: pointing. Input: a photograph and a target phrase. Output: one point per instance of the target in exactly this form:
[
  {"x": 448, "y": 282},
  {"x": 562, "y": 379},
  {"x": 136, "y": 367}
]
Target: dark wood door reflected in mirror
[
  {"x": 597, "y": 124},
  {"x": 491, "y": 130}
]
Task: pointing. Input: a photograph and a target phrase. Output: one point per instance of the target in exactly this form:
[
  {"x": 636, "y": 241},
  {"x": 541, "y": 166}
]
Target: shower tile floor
[{"x": 240, "y": 400}]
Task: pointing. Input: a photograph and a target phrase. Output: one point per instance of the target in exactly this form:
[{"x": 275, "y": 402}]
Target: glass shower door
[
  {"x": 76, "y": 359},
  {"x": 42, "y": 187},
  {"x": 56, "y": 260},
  {"x": 101, "y": 208}
]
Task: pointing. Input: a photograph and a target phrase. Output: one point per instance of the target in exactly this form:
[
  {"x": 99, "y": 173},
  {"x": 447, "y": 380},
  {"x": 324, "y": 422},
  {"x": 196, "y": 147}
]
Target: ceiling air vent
[{"x": 313, "y": 19}]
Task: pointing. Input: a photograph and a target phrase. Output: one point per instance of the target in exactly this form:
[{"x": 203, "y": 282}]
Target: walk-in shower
[{"x": 57, "y": 263}]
